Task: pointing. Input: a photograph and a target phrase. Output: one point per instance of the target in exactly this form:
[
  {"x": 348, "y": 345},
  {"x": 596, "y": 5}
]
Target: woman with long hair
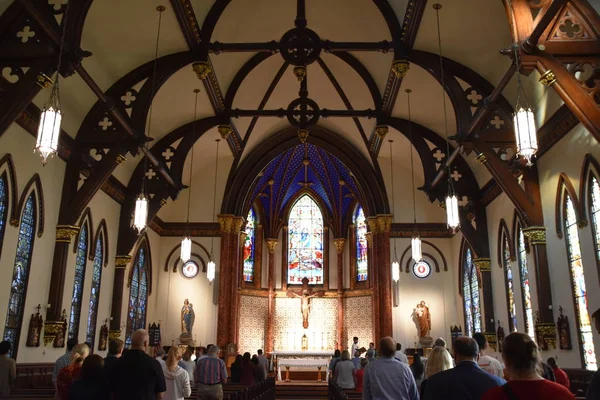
[
  {"x": 71, "y": 373},
  {"x": 523, "y": 366},
  {"x": 344, "y": 371},
  {"x": 177, "y": 379},
  {"x": 92, "y": 384},
  {"x": 418, "y": 369},
  {"x": 438, "y": 360},
  {"x": 248, "y": 376},
  {"x": 236, "y": 369}
]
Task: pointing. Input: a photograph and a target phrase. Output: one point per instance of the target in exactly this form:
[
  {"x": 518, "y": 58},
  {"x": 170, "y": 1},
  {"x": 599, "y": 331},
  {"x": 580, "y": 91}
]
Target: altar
[{"x": 303, "y": 363}]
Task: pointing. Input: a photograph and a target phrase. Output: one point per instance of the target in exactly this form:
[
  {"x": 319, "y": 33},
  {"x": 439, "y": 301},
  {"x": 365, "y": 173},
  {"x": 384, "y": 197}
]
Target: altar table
[
  {"x": 303, "y": 363},
  {"x": 303, "y": 353}
]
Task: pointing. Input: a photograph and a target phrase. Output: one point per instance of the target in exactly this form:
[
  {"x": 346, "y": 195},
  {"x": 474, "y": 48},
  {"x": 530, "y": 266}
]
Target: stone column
[
  {"x": 484, "y": 266},
  {"x": 269, "y": 345},
  {"x": 53, "y": 324},
  {"x": 117, "y": 296},
  {"x": 339, "y": 246},
  {"x": 235, "y": 271},
  {"x": 373, "y": 284},
  {"x": 381, "y": 227}
]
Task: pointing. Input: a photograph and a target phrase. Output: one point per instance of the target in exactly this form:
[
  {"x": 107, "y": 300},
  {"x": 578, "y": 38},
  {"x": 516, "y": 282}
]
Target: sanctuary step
[{"x": 301, "y": 390}]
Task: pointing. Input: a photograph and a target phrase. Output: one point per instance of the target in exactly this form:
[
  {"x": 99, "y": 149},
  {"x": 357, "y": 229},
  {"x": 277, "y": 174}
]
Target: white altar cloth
[
  {"x": 304, "y": 363},
  {"x": 303, "y": 353}
]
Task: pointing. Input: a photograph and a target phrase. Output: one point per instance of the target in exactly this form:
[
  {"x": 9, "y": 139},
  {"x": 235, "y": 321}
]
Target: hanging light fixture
[
  {"x": 415, "y": 243},
  {"x": 141, "y": 204},
  {"x": 395, "y": 263},
  {"x": 51, "y": 116},
  {"x": 186, "y": 242},
  {"x": 451, "y": 198},
  {"x": 211, "y": 267}
]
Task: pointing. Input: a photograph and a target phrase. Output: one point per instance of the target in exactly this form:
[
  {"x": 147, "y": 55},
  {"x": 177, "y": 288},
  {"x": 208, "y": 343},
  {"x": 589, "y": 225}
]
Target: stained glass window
[
  {"x": 3, "y": 207},
  {"x": 578, "y": 285},
  {"x": 360, "y": 222},
  {"x": 595, "y": 213},
  {"x": 525, "y": 288},
  {"x": 510, "y": 289},
  {"x": 471, "y": 295},
  {"x": 249, "y": 247},
  {"x": 138, "y": 296},
  {"x": 95, "y": 292},
  {"x": 18, "y": 289},
  {"x": 76, "y": 299},
  {"x": 305, "y": 250}
]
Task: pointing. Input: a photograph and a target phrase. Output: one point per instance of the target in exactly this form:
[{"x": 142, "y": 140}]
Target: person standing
[
  {"x": 487, "y": 363},
  {"x": 8, "y": 369},
  {"x": 115, "y": 349},
  {"x": 210, "y": 374},
  {"x": 387, "y": 378},
  {"x": 354, "y": 348},
  {"x": 260, "y": 374},
  {"x": 236, "y": 369},
  {"x": 71, "y": 373},
  {"x": 466, "y": 381},
  {"x": 522, "y": 358},
  {"x": 64, "y": 360},
  {"x": 561, "y": 376},
  {"x": 334, "y": 360},
  {"x": 356, "y": 360},
  {"x": 418, "y": 370},
  {"x": 344, "y": 371},
  {"x": 177, "y": 380},
  {"x": 137, "y": 376},
  {"x": 438, "y": 360},
  {"x": 263, "y": 361},
  {"x": 92, "y": 384},
  {"x": 399, "y": 355},
  {"x": 359, "y": 375},
  {"x": 248, "y": 377}
]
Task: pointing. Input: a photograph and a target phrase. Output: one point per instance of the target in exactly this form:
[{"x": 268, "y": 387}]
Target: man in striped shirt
[{"x": 210, "y": 373}]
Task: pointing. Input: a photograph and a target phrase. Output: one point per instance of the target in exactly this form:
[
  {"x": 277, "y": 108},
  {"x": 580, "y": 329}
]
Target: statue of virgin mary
[{"x": 187, "y": 317}]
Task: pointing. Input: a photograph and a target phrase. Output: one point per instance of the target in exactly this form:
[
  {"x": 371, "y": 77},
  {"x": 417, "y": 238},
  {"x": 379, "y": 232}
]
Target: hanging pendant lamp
[
  {"x": 415, "y": 243},
  {"x": 395, "y": 263},
  {"x": 211, "y": 266}
]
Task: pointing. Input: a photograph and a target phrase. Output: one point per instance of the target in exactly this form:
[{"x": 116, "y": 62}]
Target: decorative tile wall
[
  {"x": 358, "y": 321},
  {"x": 253, "y": 323}
]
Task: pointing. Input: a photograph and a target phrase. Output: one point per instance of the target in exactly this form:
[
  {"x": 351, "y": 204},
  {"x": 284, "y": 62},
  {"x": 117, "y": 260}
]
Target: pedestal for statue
[
  {"x": 186, "y": 339},
  {"x": 426, "y": 341}
]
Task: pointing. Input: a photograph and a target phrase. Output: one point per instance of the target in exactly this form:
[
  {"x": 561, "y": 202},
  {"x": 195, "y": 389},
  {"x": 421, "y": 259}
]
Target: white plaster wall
[
  {"x": 567, "y": 157},
  {"x": 172, "y": 288}
]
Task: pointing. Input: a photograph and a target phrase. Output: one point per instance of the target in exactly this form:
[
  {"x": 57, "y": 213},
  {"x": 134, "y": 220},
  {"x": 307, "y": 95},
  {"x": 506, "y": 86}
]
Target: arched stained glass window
[
  {"x": 578, "y": 284},
  {"x": 3, "y": 207},
  {"x": 594, "y": 191},
  {"x": 249, "y": 247},
  {"x": 95, "y": 292},
  {"x": 18, "y": 287},
  {"x": 471, "y": 295},
  {"x": 362, "y": 262},
  {"x": 138, "y": 295},
  {"x": 525, "y": 287},
  {"x": 305, "y": 250},
  {"x": 510, "y": 289},
  {"x": 76, "y": 299}
]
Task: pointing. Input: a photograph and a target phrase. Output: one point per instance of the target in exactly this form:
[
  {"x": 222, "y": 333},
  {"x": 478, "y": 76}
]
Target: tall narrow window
[
  {"x": 578, "y": 285},
  {"x": 249, "y": 247},
  {"x": 360, "y": 222},
  {"x": 95, "y": 292},
  {"x": 510, "y": 289},
  {"x": 595, "y": 213},
  {"x": 471, "y": 295},
  {"x": 138, "y": 295},
  {"x": 305, "y": 254},
  {"x": 3, "y": 207},
  {"x": 76, "y": 299},
  {"x": 18, "y": 287},
  {"x": 525, "y": 288}
]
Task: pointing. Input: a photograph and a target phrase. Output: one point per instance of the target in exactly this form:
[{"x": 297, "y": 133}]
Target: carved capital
[
  {"x": 535, "y": 234},
  {"x": 224, "y": 131},
  {"x": 272, "y": 244},
  {"x": 483, "y": 264},
  {"x": 303, "y": 135},
  {"x": 202, "y": 69},
  {"x": 400, "y": 68},
  {"x": 300, "y": 72},
  {"x": 372, "y": 222},
  {"x": 548, "y": 78},
  {"x": 51, "y": 330},
  {"x": 242, "y": 238},
  {"x": 339, "y": 244},
  {"x": 122, "y": 261},
  {"x": 64, "y": 233},
  {"x": 225, "y": 222},
  {"x": 547, "y": 330},
  {"x": 384, "y": 224},
  {"x": 381, "y": 131},
  {"x": 237, "y": 224},
  {"x": 369, "y": 237},
  {"x": 112, "y": 335}
]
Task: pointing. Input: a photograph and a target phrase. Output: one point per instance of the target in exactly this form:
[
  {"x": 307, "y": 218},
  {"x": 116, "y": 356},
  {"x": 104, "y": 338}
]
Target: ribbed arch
[
  {"x": 99, "y": 263},
  {"x": 138, "y": 291},
  {"x": 470, "y": 291}
]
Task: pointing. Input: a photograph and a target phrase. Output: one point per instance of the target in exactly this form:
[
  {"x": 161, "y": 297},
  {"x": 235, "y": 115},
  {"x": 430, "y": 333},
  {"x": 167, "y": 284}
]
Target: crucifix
[{"x": 305, "y": 295}]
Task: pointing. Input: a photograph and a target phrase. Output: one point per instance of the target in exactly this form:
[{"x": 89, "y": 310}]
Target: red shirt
[
  {"x": 358, "y": 377},
  {"x": 531, "y": 390},
  {"x": 561, "y": 377},
  {"x": 65, "y": 378}
]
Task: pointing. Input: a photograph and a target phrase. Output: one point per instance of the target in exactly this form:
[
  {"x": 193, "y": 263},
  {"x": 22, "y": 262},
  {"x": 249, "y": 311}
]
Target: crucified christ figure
[{"x": 305, "y": 295}]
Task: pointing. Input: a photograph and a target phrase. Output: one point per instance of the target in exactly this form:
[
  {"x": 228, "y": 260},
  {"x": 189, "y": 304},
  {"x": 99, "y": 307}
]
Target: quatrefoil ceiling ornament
[{"x": 300, "y": 46}]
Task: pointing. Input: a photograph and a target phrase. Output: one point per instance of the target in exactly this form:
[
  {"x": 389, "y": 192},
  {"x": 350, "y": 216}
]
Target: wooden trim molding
[
  {"x": 177, "y": 260},
  {"x": 425, "y": 229},
  {"x": 102, "y": 231},
  {"x": 437, "y": 250},
  {"x": 178, "y": 229}
]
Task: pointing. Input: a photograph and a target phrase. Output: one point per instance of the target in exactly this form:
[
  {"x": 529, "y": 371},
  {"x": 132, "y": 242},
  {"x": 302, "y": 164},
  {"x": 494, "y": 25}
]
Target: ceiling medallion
[
  {"x": 422, "y": 269},
  {"x": 303, "y": 135},
  {"x": 400, "y": 68},
  {"x": 303, "y": 112},
  {"x": 300, "y": 46},
  {"x": 224, "y": 131},
  {"x": 381, "y": 131},
  {"x": 300, "y": 72},
  {"x": 202, "y": 69}
]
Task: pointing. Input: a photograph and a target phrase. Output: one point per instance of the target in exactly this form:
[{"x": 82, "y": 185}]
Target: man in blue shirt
[
  {"x": 387, "y": 378},
  {"x": 64, "y": 360},
  {"x": 466, "y": 381},
  {"x": 593, "y": 392}
]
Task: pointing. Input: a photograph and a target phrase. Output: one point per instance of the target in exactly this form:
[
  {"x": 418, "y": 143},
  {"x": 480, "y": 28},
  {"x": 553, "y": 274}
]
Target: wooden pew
[{"x": 580, "y": 380}]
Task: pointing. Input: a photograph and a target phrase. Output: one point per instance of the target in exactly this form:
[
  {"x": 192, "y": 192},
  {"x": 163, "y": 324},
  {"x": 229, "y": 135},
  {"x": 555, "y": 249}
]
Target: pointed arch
[
  {"x": 439, "y": 252},
  {"x": 34, "y": 184},
  {"x": 306, "y": 233},
  {"x": 505, "y": 259},
  {"x": 82, "y": 246},
  {"x": 99, "y": 262},
  {"x": 102, "y": 231},
  {"x": 565, "y": 186},
  {"x": 86, "y": 217},
  {"x": 21, "y": 272},
  {"x": 249, "y": 247},
  {"x": 7, "y": 166},
  {"x": 470, "y": 289},
  {"x": 590, "y": 200},
  {"x": 521, "y": 253},
  {"x": 577, "y": 279},
  {"x": 590, "y": 168},
  {"x": 359, "y": 221},
  {"x": 177, "y": 260},
  {"x": 139, "y": 289},
  {"x": 144, "y": 243}
]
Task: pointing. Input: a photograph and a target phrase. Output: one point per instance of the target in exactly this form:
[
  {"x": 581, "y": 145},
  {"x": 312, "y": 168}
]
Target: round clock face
[
  {"x": 190, "y": 269},
  {"x": 422, "y": 269}
]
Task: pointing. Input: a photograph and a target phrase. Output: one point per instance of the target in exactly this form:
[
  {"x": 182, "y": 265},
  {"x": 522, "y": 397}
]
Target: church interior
[{"x": 288, "y": 175}]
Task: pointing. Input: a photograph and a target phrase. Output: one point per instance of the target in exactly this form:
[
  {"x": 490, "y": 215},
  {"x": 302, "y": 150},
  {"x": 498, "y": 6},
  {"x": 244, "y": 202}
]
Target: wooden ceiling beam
[{"x": 529, "y": 45}]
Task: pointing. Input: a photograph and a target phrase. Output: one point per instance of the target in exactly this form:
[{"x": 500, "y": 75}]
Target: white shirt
[
  {"x": 354, "y": 348},
  {"x": 400, "y": 356},
  {"x": 491, "y": 366},
  {"x": 264, "y": 362}
]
